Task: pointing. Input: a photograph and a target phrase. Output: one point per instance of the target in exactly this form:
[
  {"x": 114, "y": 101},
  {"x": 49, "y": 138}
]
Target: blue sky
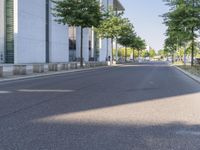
[{"x": 144, "y": 14}]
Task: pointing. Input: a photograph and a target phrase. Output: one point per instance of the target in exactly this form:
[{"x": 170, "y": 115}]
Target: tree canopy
[
  {"x": 183, "y": 22},
  {"x": 84, "y": 13},
  {"x": 79, "y": 13}
]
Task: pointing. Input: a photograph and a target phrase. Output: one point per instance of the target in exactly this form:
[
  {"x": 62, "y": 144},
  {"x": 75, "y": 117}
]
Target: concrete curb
[
  {"x": 19, "y": 72},
  {"x": 49, "y": 74},
  {"x": 194, "y": 77}
]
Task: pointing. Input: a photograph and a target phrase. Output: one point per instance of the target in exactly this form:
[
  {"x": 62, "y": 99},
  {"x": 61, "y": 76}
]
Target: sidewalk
[
  {"x": 192, "y": 76},
  {"x": 26, "y": 71}
]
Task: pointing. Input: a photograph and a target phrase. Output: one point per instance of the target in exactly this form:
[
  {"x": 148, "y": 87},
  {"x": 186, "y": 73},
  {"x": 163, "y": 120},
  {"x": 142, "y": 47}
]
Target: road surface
[{"x": 128, "y": 107}]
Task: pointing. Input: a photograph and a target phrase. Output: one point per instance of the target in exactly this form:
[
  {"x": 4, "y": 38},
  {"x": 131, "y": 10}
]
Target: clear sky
[{"x": 144, "y": 14}]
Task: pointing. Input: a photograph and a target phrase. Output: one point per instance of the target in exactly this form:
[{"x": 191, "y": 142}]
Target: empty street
[{"x": 127, "y": 107}]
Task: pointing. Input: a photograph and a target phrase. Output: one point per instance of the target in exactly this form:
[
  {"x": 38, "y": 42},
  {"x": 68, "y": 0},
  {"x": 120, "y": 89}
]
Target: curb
[
  {"x": 194, "y": 77},
  {"x": 49, "y": 74}
]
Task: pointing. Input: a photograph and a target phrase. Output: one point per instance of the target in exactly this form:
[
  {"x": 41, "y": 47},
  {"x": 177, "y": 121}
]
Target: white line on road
[
  {"x": 184, "y": 132},
  {"x": 44, "y": 90},
  {"x": 5, "y": 92}
]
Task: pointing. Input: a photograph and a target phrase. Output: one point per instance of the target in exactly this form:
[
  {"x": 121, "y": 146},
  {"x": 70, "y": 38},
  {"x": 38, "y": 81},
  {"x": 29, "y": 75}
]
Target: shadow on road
[
  {"x": 107, "y": 110},
  {"x": 79, "y": 136}
]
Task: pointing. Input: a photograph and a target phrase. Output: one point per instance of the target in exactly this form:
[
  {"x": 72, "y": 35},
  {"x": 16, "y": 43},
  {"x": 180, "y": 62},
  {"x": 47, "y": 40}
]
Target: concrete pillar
[
  {"x": 38, "y": 68},
  {"x": 1, "y": 71},
  {"x": 78, "y": 39},
  {"x": 19, "y": 70},
  {"x": 2, "y": 30},
  {"x": 85, "y": 43},
  {"x": 93, "y": 43},
  {"x": 105, "y": 49},
  {"x": 102, "y": 50},
  {"x": 59, "y": 40}
]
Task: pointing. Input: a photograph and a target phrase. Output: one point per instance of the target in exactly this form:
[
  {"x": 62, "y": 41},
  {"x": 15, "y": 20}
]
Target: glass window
[
  {"x": 72, "y": 38},
  {"x": 9, "y": 12}
]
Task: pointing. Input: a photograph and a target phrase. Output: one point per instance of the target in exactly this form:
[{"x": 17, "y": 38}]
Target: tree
[
  {"x": 170, "y": 46},
  {"x": 183, "y": 22},
  {"x": 83, "y": 13},
  {"x": 138, "y": 44},
  {"x": 163, "y": 53},
  {"x": 145, "y": 53},
  {"x": 126, "y": 37},
  {"x": 112, "y": 26},
  {"x": 152, "y": 53}
]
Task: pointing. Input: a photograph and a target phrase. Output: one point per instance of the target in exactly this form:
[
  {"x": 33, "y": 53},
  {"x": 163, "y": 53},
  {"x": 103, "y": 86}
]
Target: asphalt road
[{"x": 142, "y": 107}]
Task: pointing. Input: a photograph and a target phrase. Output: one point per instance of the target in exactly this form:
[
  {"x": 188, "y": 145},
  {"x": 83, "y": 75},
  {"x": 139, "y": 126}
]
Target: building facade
[{"x": 29, "y": 34}]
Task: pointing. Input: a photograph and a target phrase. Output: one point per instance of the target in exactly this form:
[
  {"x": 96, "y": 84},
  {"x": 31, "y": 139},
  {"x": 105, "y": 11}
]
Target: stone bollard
[
  {"x": 73, "y": 65},
  {"x": 19, "y": 70},
  {"x": 29, "y": 69},
  {"x": 53, "y": 67},
  {"x": 87, "y": 65},
  {"x": 38, "y": 68},
  {"x": 1, "y": 71},
  {"x": 97, "y": 64},
  {"x": 46, "y": 68},
  {"x": 92, "y": 64},
  {"x": 66, "y": 66},
  {"x": 79, "y": 65},
  {"x": 61, "y": 67}
]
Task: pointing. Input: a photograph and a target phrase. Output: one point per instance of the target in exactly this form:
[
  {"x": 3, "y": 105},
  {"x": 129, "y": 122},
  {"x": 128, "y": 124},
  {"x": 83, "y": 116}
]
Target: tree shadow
[
  {"x": 92, "y": 90},
  {"x": 23, "y": 114},
  {"x": 88, "y": 136}
]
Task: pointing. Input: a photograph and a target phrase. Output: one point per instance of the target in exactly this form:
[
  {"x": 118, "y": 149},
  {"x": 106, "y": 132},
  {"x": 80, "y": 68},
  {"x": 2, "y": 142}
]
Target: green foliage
[
  {"x": 84, "y": 13},
  {"x": 163, "y": 53},
  {"x": 127, "y": 34},
  {"x": 145, "y": 53},
  {"x": 121, "y": 52},
  {"x": 198, "y": 55},
  {"x": 112, "y": 25},
  {"x": 180, "y": 53},
  {"x": 138, "y": 43},
  {"x": 183, "y": 22},
  {"x": 152, "y": 53}
]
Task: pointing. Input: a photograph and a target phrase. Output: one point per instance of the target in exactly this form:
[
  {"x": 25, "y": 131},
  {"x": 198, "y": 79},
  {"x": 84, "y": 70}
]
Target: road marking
[
  {"x": 5, "y": 92},
  {"x": 44, "y": 90},
  {"x": 151, "y": 82},
  {"x": 185, "y": 132}
]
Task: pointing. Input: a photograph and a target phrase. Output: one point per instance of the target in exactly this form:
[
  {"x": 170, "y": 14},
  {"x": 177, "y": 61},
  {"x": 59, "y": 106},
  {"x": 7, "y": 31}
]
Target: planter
[
  {"x": 53, "y": 67},
  {"x": 19, "y": 70},
  {"x": 38, "y": 68}
]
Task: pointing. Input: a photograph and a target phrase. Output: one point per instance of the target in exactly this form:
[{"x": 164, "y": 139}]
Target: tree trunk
[
  {"x": 192, "y": 55},
  {"x": 125, "y": 54},
  {"x": 133, "y": 55},
  {"x": 184, "y": 59},
  {"x": 81, "y": 50},
  {"x": 112, "y": 50},
  {"x": 107, "y": 50},
  {"x": 173, "y": 57},
  {"x": 116, "y": 47}
]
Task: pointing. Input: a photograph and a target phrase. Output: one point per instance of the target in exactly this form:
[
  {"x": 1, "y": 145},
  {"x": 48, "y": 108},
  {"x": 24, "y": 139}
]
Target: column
[{"x": 2, "y": 30}]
